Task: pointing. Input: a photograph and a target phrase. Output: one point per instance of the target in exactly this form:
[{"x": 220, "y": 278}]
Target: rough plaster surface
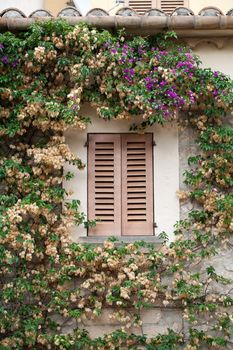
[{"x": 187, "y": 148}]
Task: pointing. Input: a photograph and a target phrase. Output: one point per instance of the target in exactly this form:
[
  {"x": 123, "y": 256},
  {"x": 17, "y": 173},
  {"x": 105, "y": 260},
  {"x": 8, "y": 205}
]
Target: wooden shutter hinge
[
  {"x": 86, "y": 144},
  {"x": 155, "y": 225},
  {"x": 154, "y": 143}
]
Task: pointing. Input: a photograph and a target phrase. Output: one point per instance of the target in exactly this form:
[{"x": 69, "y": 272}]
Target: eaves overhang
[{"x": 206, "y": 26}]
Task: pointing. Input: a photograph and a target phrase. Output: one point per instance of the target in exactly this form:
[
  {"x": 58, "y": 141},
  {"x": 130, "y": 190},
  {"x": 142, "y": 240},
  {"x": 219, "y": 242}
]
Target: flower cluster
[{"x": 46, "y": 279}]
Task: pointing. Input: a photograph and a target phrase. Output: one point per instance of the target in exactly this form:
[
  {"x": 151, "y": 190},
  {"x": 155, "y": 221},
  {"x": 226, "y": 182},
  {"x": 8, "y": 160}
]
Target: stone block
[
  {"x": 151, "y": 316},
  {"x": 160, "y": 320},
  {"x": 100, "y": 331},
  {"x": 103, "y": 319}
]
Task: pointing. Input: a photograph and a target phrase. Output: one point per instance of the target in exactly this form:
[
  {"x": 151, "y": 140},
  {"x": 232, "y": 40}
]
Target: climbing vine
[{"x": 45, "y": 279}]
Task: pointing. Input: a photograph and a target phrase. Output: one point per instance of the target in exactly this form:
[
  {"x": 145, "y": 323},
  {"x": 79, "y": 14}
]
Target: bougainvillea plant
[{"x": 45, "y": 279}]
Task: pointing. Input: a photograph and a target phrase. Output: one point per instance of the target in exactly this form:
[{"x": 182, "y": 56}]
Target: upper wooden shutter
[
  {"x": 137, "y": 184},
  {"x": 168, "y": 6},
  {"x": 104, "y": 183},
  {"x": 120, "y": 184},
  {"x": 141, "y": 6}
]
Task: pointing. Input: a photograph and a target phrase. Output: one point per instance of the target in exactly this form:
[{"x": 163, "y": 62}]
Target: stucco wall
[
  {"x": 54, "y": 6},
  {"x": 25, "y": 6},
  {"x": 28, "y": 6},
  {"x": 197, "y": 5},
  {"x": 218, "y": 59}
]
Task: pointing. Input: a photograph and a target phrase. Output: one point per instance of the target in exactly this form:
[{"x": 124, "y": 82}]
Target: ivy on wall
[{"x": 46, "y": 74}]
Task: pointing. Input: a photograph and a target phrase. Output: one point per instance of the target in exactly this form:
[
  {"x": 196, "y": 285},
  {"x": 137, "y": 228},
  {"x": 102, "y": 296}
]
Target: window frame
[{"x": 167, "y": 175}]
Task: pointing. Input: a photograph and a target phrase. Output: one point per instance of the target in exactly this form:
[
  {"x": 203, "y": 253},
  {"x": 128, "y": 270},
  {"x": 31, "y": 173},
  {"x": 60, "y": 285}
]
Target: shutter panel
[
  {"x": 104, "y": 183},
  {"x": 137, "y": 184},
  {"x": 168, "y": 6},
  {"x": 141, "y": 6}
]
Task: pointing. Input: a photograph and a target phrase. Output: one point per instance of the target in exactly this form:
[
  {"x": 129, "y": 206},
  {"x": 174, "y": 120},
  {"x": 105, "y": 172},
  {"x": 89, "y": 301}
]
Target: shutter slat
[
  {"x": 136, "y": 205},
  {"x": 168, "y": 6},
  {"x": 141, "y": 6},
  {"x": 137, "y": 195},
  {"x": 104, "y": 184}
]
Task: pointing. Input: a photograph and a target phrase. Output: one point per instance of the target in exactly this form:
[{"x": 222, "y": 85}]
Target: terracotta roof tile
[{"x": 210, "y": 21}]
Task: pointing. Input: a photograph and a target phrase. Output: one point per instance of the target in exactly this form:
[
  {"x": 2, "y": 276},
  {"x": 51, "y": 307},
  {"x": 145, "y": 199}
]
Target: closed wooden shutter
[
  {"x": 168, "y": 6},
  {"x": 141, "y": 6},
  {"x": 137, "y": 189},
  {"x": 104, "y": 183},
  {"x": 120, "y": 184}
]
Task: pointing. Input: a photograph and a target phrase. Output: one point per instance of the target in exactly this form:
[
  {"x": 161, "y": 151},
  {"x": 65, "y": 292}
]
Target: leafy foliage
[{"x": 48, "y": 280}]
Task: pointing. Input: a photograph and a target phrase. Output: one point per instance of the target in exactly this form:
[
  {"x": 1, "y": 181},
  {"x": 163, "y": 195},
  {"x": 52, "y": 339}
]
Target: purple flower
[
  {"x": 5, "y": 60},
  {"x": 1, "y": 46},
  {"x": 149, "y": 86},
  {"x": 15, "y": 63},
  {"x": 149, "y": 83},
  {"x": 180, "y": 102},
  {"x": 163, "y": 83},
  {"x": 215, "y": 93},
  {"x": 75, "y": 107},
  {"x": 172, "y": 94},
  {"x": 113, "y": 51},
  {"x": 132, "y": 71},
  {"x": 189, "y": 55},
  {"x": 128, "y": 78},
  {"x": 188, "y": 65},
  {"x": 179, "y": 65},
  {"x": 141, "y": 51},
  {"x": 215, "y": 74},
  {"x": 191, "y": 96}
]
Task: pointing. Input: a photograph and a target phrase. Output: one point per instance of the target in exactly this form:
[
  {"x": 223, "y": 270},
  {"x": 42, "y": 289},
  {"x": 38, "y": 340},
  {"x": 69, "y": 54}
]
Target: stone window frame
[{"x": 166, "y": 174}]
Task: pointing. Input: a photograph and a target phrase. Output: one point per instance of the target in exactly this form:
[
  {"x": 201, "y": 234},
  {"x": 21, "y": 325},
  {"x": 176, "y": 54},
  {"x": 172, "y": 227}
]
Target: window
[
  {"x": 120, "y": 184},
  {"x": 166, "y": 175},
  {"x": 141, "y": 6},
  {"x": 168, "y": 6}
]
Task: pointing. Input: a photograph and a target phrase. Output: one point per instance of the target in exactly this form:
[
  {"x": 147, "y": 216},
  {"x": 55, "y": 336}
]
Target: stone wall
[{"x": 154, "y": 321}]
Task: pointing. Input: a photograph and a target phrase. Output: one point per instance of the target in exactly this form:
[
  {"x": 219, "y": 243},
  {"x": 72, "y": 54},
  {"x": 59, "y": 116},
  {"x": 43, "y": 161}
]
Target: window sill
[{"x": 125, "y": 239}]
